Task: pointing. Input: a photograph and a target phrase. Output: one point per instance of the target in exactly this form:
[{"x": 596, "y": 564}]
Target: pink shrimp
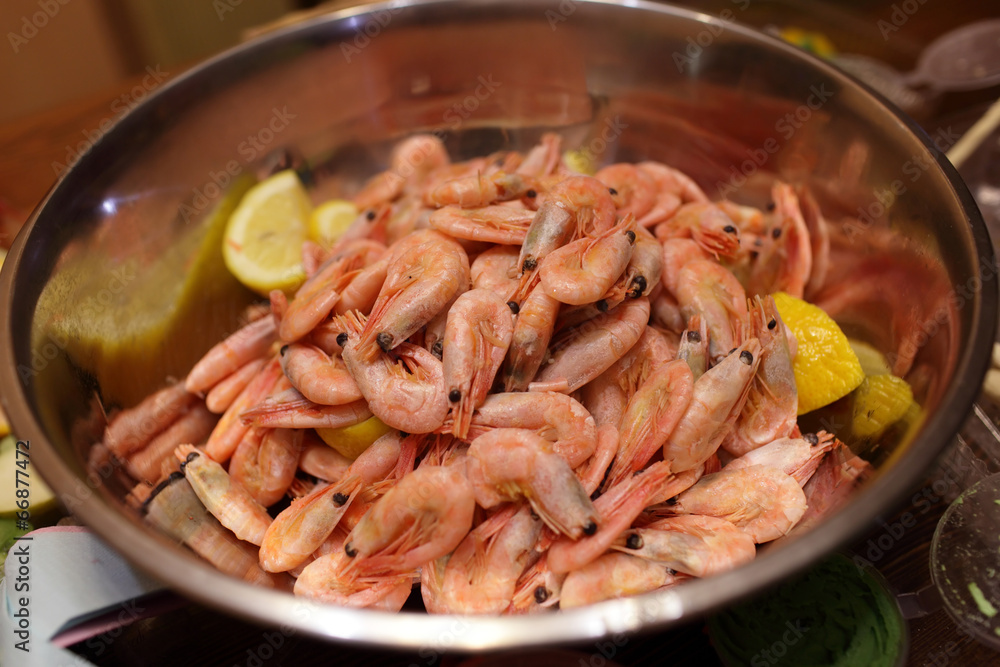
[
  {"x": 582, "y": 271},
  {"x": 492, "y": 224},
  {"x": 290, "y": 409},
  {"x": 836, "y": 478},
  {"x": 544, "y": 158},
  {"x": 635, "y": 190},
  {"x": 819, "y": 242},
  {"x": 321, "y": 460},
  {"x": 693, "y": 348},
  {"x": 481, "y": 190},
  {"x": 265, "y": 466},
  {"x": 708, "y": 289},
  {"x": 249, "y": 343},
  {"x": 425, "y": 271},
  {"x": 717, "y": 399},
  {"x": 650, "y": 417},
  {"x": 558, "y": 418},
  {"x": 492, "y": 270},
  {"x": 228, "y": 502},
  {"x": 193, "y": 426},
  {"x": 423, "y": 517},
  {"x": 508, "y": 464},
  {"x": 673, "y": 189},
  {"x": 536, "y": 320},
  {"x": 611, "y": 576},
  {"x": 584, "y": 352},
  {"x": 592, "y": 472},
  {"x": 360, "y": 294},
  {"x": 784, "y": 261},
  {"x": 707, "y": 225},
  {"x": 230, "y": 429},
  {"x": 643, "y": 271},
  {"x": 303, "y": 526},
  {"x": 538, "y": 588},
  {"x": 319, "y": 377},
  {"x": 676, "y": 253},
  {"x": 770, "y": 411},
  {"x": 697, "y": 545},
  {"x": 762, "y": 501},
  {"x": 476, "y": 338},
  {"x": 221, "y": 396},
  {"x": 617, "y": 509},
  {"x": 798, "y": 457},
  {"x": 323, "y": 580},
  {"x": 132, "y": 429}
]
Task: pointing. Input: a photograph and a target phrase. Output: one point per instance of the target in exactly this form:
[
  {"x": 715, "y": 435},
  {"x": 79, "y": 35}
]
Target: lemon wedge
[
  {"x": 581, "y": 161},
  {"x": 330, "y": 220},
  {"x": 879, "y": 402},
  {"x": 872, "y": 361},
  {"x": 351, "y": 441},
  {"x": 263, "y": 241},
  {"x": 825, "y": 366}
]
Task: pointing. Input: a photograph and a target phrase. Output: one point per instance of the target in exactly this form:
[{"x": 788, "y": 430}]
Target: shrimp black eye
[
  {"x": 731, "y": 351},
  {"x": 341, "y": 338},
  {"x": 531, "y": 194},
  {"x": 191, "y": 457},
  {"x": 612, "y": 191},
  {"x": 369, "y": 216},
  {"x": 339, "y": 499},
  {"x": 746, "y": 357},
  {"x": 729, "y": 229},
  {"x": 672, "y": 501},
  {"x": 437, "y": 349},
  {"x": 350, "y": 551},
  {"x": 514, "y": 308},
  {"x": 590, "y": 528},
  {"x": 284, "y": 348},
  {"x": 773, "y": 323},
  {"x": 384, "y": 341},
  {"x": 404, "y": 434},
  {"x": 634, "y": 541},
  {"x": 541, "y": 594},
  {"x": 770, "y": 206},
  {"x": 694, "y": 336},
  {"x": 602, "y": 305},
  {"x": 529, "y": 264},
  {"x": 776, "y": 233},
  {"x": 454, "y": 395},
  {"x": 638, "y": 286},
  {"x": 811, "y": 438},
  {"x": 630, "y": 235}
]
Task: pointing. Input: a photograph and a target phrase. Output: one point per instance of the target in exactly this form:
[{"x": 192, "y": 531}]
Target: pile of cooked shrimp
[{"x": 589, "y": 391}]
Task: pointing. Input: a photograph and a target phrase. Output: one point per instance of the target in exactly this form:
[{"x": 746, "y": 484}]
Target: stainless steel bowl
[{"x": 621, "y": 81}]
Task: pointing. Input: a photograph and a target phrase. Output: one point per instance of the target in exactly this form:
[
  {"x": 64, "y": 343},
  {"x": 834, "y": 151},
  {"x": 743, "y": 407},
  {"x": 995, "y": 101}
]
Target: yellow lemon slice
[
  {"x": 872, "y": 361},
  {"x": 330, "y": 220},
  {"x": 264, "y": 235},
  {"x": 581, "y": 161},
  {"x": 825, "y": 366},
  {"x": 351, "y": 441},
  {"x": 879, "y": 402}
]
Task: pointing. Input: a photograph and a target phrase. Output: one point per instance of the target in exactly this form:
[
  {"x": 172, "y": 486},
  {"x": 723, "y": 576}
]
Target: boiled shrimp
[
  {"x": 132, "y": 429},
  {"x": 249, "y": 343},
  {"x": 221, "y": 396},
  {"x": 717, "y": 399},
  {"x": 693, "y": 348},
  {"x": 481, "y": 190},
  {"x": 323, "y": 579},
  {"x": 490, "y": 224},
  {"x": 476, "y": 337},
  {"x": 195, "y": 425},
  {"x": 536, "y": 320},
  {"x": 798, "y": 457},
  {"x": 290, "y": 409},
  {"x": 673, "y": 188},
  {"x": 708, "y": 289},
  {"x": 697, "y": 545},
  {"x": 538, "y": 588},
  {"x": 784, "y": 261},
  {"x": 582, "y": 271},
  {"x": 611, "y": 576},
  {"x": 321, "y": 460},
  {"x": 543, "y": 159},
  {"x": 707, "y": 225},
  {"x": 635, "y": 190},
  {"x": 319, "y": 377},
  {"x": 510, "y": 464},
  {"x": 493, "y": 270},
  {"x": 265, "y": 465}
]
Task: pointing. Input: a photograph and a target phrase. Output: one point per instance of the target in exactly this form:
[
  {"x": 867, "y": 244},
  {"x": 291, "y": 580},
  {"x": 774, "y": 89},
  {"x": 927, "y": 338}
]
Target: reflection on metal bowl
[{"x": 731, "y": 107}]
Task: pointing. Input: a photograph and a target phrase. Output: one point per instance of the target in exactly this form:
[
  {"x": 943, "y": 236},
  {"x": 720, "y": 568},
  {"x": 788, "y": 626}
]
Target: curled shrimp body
[
  {"x": 798, "y": 457},
  {"x": 707, "y": 225},
  {"x": 405, "y": 390},
  {"x": 228, "y": 502},
  {"x": 321, "y": 460},
  {"x": 784, "y": 260},
  {"x": 302, "y": 527},
  {"x": 132, "y": 429},
  {"x": 635, "y": 190},
  {"x": 692, "y": 544},
  {"x": 673, "y": 188},
  {"x": 770, "y": 411},
  {"x": 249, "y": 343},
  {"x": 265, "y": 465},
  {"x": 290, "y": 409},
  {"x": 544, "y": 158},
  {"x": 708, "y": 289},
  {"x": 221, "y": 396},
  {"x": 476, "y": 337},
  {"x": 493, "y": 270},
  {"x": 193, "y": 426},
  {"x": 650, "y": 418},
  {"x": 536, "y": 320},
  {"x": 481, "y": 190},
  {"x": 586, "y": 351},
  {"x": 481, "y": 574},
  {"x": 318, "y": 377},
  {"x": 617, "y": 509},
  {"x": 425, "y": 272},
  {"x": 582, "y": 271},
  {"x": 492, "y": 224},
  {"x": 558, "y": 418},
  {"x": 323, "y": 579},
  {"x": 717, "y": 399},
  {"x": 423, "y": 517},
  {"x": 592, "y": 472},
  {"x": 576, "y": 206},
  {"x": 611, "y": 576},
  {"x": 676, "y": 253},
  {"x": 644, "y": 268},
  {"x": 360, "y": 294},
  {"x": 509, "y": 464},
  {"x": 762, "y": 501}
]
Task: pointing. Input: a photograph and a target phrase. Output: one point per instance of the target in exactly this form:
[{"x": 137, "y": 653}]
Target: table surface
[{"x": 29, "y": 149}]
